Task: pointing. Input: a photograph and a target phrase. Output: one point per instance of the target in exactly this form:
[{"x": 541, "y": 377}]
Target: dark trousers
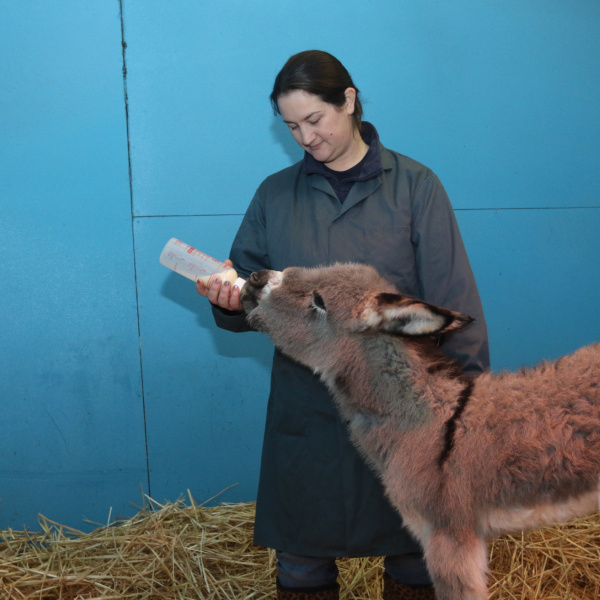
[{"x": 297, "y": 571}]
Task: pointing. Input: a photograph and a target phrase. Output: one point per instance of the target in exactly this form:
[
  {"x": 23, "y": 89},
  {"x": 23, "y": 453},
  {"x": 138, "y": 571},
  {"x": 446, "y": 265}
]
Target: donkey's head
[{"x": 308, "y": 312}]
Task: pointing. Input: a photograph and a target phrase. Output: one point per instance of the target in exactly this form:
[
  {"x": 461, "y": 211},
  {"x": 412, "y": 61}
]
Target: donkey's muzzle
[{"x": 252, "y": 290}]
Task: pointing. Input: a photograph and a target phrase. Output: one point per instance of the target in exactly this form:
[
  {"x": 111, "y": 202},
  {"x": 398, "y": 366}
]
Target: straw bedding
[{"x": 183, "y": 551}]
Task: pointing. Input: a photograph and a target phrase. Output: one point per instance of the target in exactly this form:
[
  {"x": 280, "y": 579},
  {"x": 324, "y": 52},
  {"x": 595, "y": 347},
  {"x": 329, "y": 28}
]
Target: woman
[{"x": 349, "y": 199}]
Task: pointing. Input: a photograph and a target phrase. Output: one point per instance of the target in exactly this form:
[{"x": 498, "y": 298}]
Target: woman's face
[{"x": 322, "y": 129}]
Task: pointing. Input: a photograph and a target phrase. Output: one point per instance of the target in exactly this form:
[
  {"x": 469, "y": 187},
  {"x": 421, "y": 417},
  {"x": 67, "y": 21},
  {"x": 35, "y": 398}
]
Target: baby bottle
[{"x": 196, "y": 265}]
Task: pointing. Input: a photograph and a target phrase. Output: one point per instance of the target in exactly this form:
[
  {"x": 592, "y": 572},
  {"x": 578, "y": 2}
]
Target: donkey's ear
[{"x": 407, "y": 316}]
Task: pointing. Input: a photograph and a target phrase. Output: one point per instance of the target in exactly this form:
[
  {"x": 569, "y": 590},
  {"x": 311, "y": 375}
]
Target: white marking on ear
[
  {"x": 371, "y": 318},
  {"x": 415, "y": 320}
]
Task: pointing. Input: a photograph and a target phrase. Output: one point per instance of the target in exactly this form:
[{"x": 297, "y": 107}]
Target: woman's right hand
[{"x": 221, "y": 293}]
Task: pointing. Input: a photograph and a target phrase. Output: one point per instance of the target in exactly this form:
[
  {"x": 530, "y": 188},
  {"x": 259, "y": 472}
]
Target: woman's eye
[{"x": 314, "y": 122}]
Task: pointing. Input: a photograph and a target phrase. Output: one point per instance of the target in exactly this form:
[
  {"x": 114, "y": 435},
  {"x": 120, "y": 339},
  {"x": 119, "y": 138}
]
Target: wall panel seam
[{"x": 137, "y": 302}]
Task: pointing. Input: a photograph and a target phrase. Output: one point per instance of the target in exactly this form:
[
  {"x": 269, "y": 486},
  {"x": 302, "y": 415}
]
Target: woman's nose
[{"x": 307, "y": 136}]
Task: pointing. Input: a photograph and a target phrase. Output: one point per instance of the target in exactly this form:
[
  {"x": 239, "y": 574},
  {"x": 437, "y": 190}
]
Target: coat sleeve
[
  {"x": 248, "y": 254},
  {"x": 445, "y": 275}
]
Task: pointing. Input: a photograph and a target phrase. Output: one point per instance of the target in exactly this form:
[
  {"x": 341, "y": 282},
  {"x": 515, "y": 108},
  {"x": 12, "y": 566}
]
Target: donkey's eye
[{"x": 317, "y": 301}]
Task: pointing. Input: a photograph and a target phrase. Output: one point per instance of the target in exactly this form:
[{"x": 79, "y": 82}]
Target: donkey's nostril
[{"x": 259, "y": 279}]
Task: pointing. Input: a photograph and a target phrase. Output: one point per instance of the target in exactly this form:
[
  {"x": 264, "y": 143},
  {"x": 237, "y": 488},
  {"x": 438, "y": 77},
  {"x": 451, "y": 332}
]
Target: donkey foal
[{"x": 463, "y": 460}]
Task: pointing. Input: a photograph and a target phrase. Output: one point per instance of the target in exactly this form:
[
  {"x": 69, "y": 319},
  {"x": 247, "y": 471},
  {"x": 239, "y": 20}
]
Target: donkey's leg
[{"x": 458, "y": 564}]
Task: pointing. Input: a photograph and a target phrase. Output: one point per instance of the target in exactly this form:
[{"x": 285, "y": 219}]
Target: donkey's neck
[{"x": 375, "y": 376}]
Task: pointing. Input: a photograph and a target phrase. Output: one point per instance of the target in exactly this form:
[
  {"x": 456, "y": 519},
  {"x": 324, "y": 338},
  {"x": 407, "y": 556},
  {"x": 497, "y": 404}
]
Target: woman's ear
[{"x": 350, "y": 94}]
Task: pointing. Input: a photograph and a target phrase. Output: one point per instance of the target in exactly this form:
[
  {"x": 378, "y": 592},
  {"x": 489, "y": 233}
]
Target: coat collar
[{"x": 369, "y": 180}]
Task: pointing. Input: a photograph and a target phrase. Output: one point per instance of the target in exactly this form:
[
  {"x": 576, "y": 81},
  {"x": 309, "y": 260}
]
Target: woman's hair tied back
[{"x": 316, "y": 72}]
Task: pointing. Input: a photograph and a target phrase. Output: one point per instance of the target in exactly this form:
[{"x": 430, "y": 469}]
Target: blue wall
[{"x": 114, "y": 380}]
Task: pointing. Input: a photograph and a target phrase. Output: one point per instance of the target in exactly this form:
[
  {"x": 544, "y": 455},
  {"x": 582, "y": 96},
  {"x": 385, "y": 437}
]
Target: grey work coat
[{"x": 316, "y": 495}]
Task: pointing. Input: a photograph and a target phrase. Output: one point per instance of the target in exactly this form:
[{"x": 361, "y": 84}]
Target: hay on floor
[
  {"x": 557, "y": 563},
  {"x": 180, "y": 551}
]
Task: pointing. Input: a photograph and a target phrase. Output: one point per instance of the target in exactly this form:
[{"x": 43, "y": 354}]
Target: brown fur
[{"x": 461, "y": 460}]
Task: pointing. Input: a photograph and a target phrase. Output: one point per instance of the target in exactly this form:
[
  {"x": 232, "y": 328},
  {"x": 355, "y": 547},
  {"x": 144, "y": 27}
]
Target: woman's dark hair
[{"x": 318, "y": 73}]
